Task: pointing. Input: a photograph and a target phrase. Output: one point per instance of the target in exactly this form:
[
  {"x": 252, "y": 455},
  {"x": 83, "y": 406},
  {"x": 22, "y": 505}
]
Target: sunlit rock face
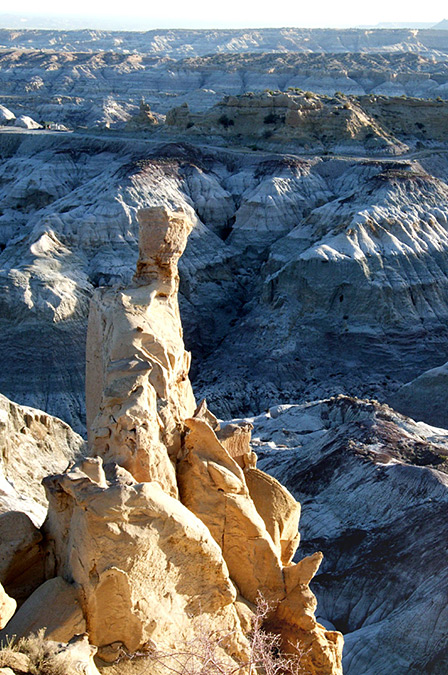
[
  {"x": 138, "y": 391},
  {"x": 160, "y": 496},
  {"x": 293, "y": 122}
]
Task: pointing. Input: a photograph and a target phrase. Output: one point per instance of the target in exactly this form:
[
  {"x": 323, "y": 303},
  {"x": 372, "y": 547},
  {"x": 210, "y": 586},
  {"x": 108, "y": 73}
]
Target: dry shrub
[
  {"x": 266, "y": 654},
  {"x": 205, "y": 653},
  {"x": 43, "y": 654}
]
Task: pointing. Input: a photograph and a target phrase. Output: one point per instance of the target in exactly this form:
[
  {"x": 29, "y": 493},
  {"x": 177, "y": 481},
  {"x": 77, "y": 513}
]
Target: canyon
[
  {"x": 145, "y": 534},
  {"x": 309, "y": 171},
  {"x": 276, "y": 280}
]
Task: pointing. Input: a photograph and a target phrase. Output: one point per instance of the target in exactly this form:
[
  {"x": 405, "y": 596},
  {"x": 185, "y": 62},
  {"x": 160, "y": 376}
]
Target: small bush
[
  {"x": 271, "y": 118},
  {"x": 204, "y": 654},
  {"x": 226, "y": 122},
  {"x": 44, "y": 656}
]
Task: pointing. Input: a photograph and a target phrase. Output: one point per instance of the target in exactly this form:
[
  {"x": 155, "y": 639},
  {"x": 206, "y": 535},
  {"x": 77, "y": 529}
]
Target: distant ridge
[
  {"x": 393, "y": 25},
  {"x": 9, "y": 20},
  {"x": 443, "y": 25}
]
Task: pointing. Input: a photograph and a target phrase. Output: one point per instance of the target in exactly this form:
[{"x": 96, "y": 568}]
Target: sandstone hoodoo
[
  {"x": 299, "y": 180},
  {"x": 168, "y": 525},
  {"x": 138, "y": 391}
]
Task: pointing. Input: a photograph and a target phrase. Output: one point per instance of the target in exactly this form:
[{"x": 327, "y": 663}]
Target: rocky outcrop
[
  {"x": 26, "y": 122},
  {"x": 300, "y": 120},
  {"x": 32, "y": 445},
  {"x": 137, "y": 368},
  {"x": 159, "y": 530},
  {"x": 54, "y": 610},
  {"x": 214, "y": 487},
  {"x": 6, "y": 116},
  {"x": 145, "y": 566},
  {"x": 143, "y": 120},
  {"x": 374, "y": 491}
]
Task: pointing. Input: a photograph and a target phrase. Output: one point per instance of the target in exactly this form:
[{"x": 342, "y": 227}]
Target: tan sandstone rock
[
  {"x": 144, "y": 564},
  {"x": 254, "y": 520},
  {"x": 138, "y": 392},
  {"x": 303, "y": 118},
  {"x": 279, "y": 510},
  {"x": 236, "y": 440},
  {"x": 146, "y": 568},
  {"x": 54, "y": 608},
  {"x": 143, "y": 120},
  {"x": 234, "y": 437},
  {"x": 212, "y": 485}
]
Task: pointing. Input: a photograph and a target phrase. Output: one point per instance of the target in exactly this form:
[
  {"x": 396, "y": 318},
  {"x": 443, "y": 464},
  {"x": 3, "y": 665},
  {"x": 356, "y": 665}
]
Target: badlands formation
[
  {"x": 165, "y": 528},
  {"x": 313, "y": 294},
  {"x": 87, "y": 78},
  {"x": 276, "y": 281}
]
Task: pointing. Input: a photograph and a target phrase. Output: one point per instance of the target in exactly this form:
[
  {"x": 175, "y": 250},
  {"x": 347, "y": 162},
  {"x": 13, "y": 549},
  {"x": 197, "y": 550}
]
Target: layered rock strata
[
  {"x": 169, "y": 524},
  {"x": 302, "y": 119}
]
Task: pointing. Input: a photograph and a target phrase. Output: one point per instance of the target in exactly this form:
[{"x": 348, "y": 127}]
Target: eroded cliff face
[
  {"x": 97, "y": 78},
  {"x": 296, "y": 120},
  {"x": 32, "y": 445},
  {"x": 168, "y": 523}
]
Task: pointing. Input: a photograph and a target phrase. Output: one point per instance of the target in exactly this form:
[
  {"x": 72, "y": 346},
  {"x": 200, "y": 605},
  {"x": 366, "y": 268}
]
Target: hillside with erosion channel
[{"x": 224, "y": 352}]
